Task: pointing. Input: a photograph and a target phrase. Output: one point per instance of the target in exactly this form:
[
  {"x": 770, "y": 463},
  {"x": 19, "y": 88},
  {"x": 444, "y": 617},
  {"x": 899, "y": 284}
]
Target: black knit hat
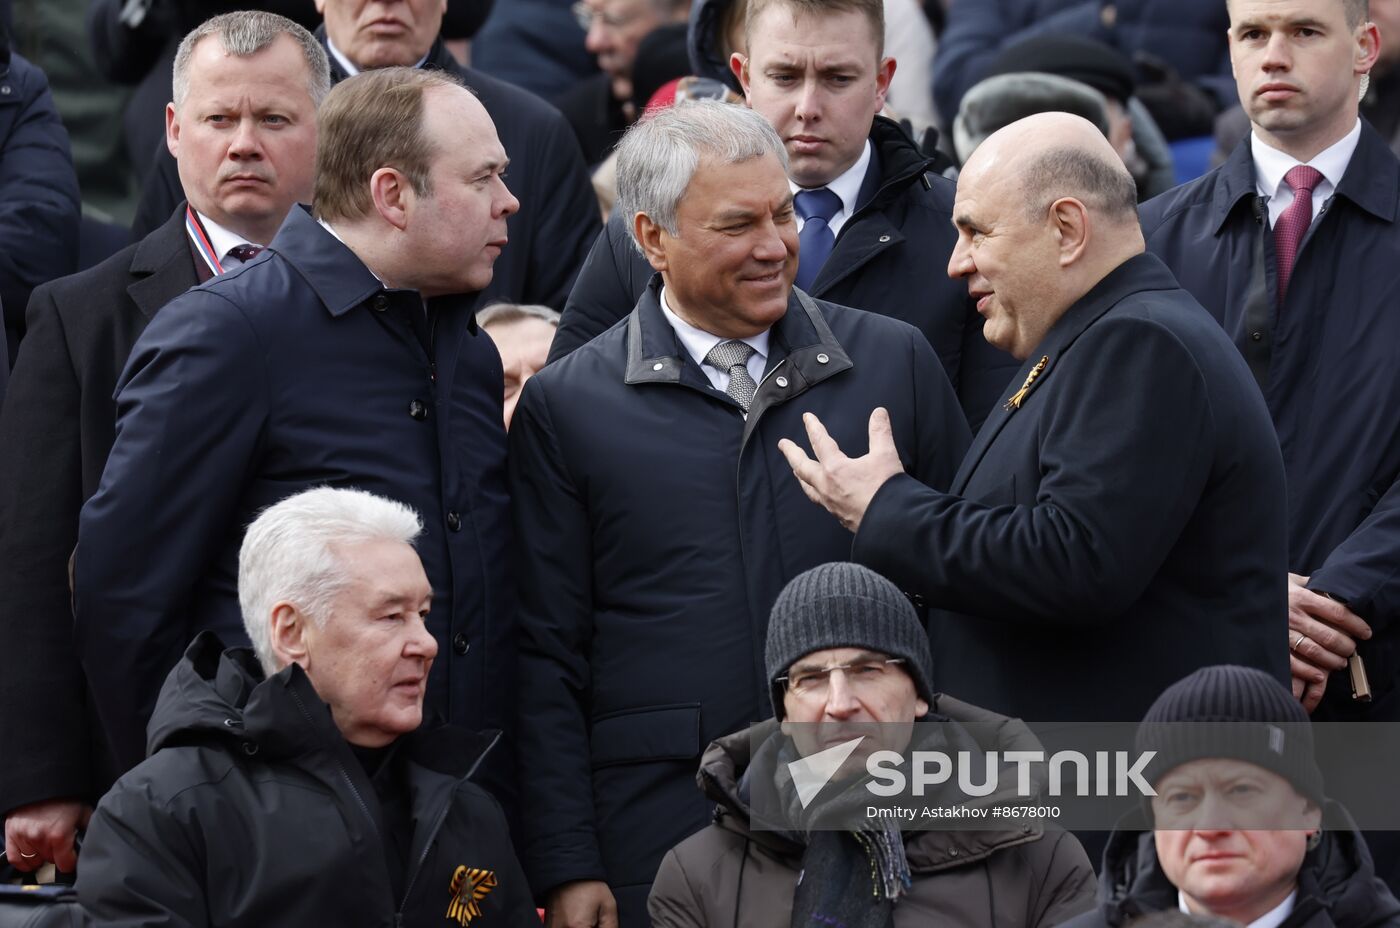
[
  {"x": 1076, "y": 57},
  {"x": 844, "y": 605},
  {"x": 1234, "y": 712}
]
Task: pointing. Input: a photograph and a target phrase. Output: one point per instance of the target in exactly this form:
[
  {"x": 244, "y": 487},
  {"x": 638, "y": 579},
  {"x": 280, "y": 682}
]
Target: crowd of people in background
[{"x": 446, "y": 445}]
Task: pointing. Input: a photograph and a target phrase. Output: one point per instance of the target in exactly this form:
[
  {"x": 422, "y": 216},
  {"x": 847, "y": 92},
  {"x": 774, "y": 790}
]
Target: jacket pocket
[{"x": 650, "y": 734}]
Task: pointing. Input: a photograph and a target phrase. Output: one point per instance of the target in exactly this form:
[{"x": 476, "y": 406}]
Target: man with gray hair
[
  {"x": 283, "y": 779},
  {"x": 654, "y": 522},
  {"x": 242, "y": 129}
]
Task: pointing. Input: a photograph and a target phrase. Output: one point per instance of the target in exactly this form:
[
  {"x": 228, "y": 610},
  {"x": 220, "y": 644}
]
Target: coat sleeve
[
  {"x": 1112, "y": 501},
  {"x": 39, "y": 206},
  {"x": 191, "y": 406},
  {"x": 1069, "y": 887},
  {"x": 673, "y": 902},
  {"x": 565, "y": 231},
  {"x": 140, "y": 865},
  {"x": 943, "y": 434},
  {"x": 1364, "y": 570},
  {"x": 608, "y": 286},
  {"x": 555, "y": 634},
  {"x": 41, "y": 491}
]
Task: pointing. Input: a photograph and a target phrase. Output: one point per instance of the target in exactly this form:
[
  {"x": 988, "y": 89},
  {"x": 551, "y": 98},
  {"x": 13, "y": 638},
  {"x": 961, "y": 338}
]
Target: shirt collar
[
  {"x": 349, "y": 66},
  {"x": 1270, "y": 919},
  {"x": 1270, "y": 164},
  {"x": 698, "y": 342},
  {"x": 221, "y": 239},
  {"x": 847, "y": 186}
]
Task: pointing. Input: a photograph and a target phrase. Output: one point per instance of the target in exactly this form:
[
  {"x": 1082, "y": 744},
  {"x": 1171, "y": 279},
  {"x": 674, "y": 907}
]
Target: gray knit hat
[
  {"x": 844, "y": 605},
  {"x": 1234, "y": 712}
]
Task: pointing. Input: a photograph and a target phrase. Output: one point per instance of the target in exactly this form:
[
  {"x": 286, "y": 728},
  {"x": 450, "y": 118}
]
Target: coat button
[
  {"x": 460, "y": 644},
  {"x": 884, "y": 239},
  {"x": 5, "y": 90},
  {"x": 657, "y": 366},
  {"x": 381, "y": 303},
  {"x": 454, "y": 521},
  {"x": 780, "y": 381},
  {"x": 823, "y": 358},
  {"x": 417, "y": 410},
  {"x": 1257, "y": 336}
]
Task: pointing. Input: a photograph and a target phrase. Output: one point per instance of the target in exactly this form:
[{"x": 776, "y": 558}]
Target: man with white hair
[
  {"x": 288, "y": 784},
  {"x": 655, "y": 520}
]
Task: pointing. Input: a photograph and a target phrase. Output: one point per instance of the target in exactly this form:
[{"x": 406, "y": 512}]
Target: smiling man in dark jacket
[
  {"x": 288, "y": 785},
  {"x": 655, "y": 519},
  {"x": 886, "y": 217}
]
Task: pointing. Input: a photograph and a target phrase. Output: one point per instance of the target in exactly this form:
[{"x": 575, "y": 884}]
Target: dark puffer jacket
[
  {"x": 1337, "y": 885},
  {"x": 253, "y": 811},
  {"x": 729, "y": 875}
]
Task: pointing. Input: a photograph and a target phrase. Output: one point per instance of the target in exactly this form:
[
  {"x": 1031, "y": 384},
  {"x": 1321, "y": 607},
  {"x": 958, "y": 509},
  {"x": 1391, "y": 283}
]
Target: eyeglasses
[
  {"x": 585, "y": 15},
  {"x": 860, "y": 675}
]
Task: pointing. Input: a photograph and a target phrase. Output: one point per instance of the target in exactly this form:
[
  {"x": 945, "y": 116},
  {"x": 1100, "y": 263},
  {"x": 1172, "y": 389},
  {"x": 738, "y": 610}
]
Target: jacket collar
[
  {"x": 1371, "y": 181},
  {"x": 899, "y": 159},
  {"x": 1138, "y": 274},
  {"x": 163, "y": 265},
  {"x": 438, "y": 59}
]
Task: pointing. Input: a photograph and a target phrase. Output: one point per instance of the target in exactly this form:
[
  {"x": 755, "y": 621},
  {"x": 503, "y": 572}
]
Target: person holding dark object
[
  {"x": 1240, "y": 828},
  {"x": 1178, "y": 50},
  {"x": 39, "y": 205},
  {"x": 288, "y": 784},
  {"x": 57, "y": 427},
  {"x": 1290, "y": 246},
  {"x": 846, "y": 648},
  {"x": 1124, "y": 501},
  {"x": 880, "y": 212},
  {"x": 558, "y": 218},
  {"x": 344, "y": 354},
  {"x": 653, "y": 515}
]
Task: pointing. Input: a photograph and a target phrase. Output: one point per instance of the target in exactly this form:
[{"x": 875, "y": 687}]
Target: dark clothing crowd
[{"x": 447, "y": 445}]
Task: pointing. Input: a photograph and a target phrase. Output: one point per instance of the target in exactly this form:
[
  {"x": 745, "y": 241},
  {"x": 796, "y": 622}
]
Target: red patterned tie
[
  {"x": 244, "y": 253},
  {"x": 1293, "y": 222}
]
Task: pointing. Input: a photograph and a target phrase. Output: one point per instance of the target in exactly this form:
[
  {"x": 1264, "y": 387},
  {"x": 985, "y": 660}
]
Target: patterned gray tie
[{"x": 733, "y": 357}]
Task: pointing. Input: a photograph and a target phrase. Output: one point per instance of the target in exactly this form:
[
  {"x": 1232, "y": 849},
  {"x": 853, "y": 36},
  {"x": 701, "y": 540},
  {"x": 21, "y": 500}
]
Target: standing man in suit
[
  {"x": 1119, "y": 517},
  {"x": 558, "y": 218},
  {"x": 655, "y": 519},
  {"x": 346, "y": 354},
  {"x": 816, "y": 70},
  {"x": 242, "y": 128},
  {"x": 1291, "y": 244}
]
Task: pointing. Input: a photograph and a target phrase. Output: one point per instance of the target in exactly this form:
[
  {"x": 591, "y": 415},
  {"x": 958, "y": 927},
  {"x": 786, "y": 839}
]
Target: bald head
[{"x": 1056, "y": 155}]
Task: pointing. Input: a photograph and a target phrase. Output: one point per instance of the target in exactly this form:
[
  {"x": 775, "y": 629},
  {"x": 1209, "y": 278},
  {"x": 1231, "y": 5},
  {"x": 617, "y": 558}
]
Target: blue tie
[{"x": 816, "y": 207}]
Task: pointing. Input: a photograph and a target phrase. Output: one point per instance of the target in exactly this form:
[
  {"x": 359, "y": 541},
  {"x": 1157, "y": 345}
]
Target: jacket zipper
[{"x": 422, "y": 859}]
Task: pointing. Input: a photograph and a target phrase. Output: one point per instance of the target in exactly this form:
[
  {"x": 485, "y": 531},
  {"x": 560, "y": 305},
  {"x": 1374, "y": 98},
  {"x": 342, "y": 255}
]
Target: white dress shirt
[
  {"x": 222, "y": 241},
  {"x": 1270, "y": 919},
  {"x": 348, "y": 65},
  {"x": 847, "y": 187},
  {"x": 698, "y": 342},
  {"x": 1270, "y": 165}
]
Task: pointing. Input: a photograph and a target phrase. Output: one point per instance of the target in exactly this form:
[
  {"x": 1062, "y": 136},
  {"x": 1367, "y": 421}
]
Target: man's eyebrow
[
  {"x": 731, "y": 215},
  {"x": 385, "y": 600},
  {"x": 963, "y": 220},
  {"x": 861, "y": 657}
]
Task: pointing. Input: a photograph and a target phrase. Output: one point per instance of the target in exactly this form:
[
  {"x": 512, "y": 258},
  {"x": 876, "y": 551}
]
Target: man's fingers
[
  {"x": 881, "y": 432},
  {"x": 1306, "y": 672},
  {"x": 1312, "y": 695},
  {"x": 1320, "y": 643},
  {"x": 823, "y": 445},
  {"x": 806, "y": 469},
  {"x": 1329, "y": 611},
  {"x": 61, "y": 852}
]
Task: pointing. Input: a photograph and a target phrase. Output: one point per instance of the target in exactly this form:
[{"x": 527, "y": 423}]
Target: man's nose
[
  {"x": 422, "y": 643},
  {"x": 841, "y": 699},
  {"x": 596, "y": 39},
  {"x": 809, "y": 100},
  {"x": 246, "y": 140},
  {"x": 960, "y": 263},
  {"x": 1277, "y": 53}
]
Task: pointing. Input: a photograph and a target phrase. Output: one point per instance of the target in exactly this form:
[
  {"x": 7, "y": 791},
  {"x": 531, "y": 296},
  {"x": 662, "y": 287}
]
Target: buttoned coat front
[
  {"x": 657, "y": 526},
  {"x": 1119, "y": 529},
  {"x": 296, "y": 370}
]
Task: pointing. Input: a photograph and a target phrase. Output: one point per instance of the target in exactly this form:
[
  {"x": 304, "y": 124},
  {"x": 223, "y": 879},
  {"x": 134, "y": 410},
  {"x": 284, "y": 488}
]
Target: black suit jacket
[
  {"x": 1121, "y": 528},
  {"x": 56, "y": 430}
]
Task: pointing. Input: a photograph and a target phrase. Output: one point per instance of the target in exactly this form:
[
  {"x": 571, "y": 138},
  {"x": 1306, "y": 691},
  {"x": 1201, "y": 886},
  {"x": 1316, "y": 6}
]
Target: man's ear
[
  {"x": 650, "y": 236},
  {"x": 321, "y": 8},
  {"x": 1368, "y": 47},
  {"x": 884, "y": 73},
  {"x": 172, "y": 131},
  {"x": 920, "y": 708},
  {"x": 739, "y": 64},
  {"x": 287, "y": 633},
  {"x": 1070, "y": 219},
  {"x": 392, "y": 196}
]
